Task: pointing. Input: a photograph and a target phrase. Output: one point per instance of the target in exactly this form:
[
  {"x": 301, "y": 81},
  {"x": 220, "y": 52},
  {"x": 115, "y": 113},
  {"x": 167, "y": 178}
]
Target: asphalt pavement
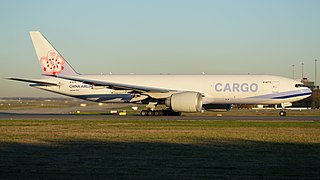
[{"x": 46, "y": 116}]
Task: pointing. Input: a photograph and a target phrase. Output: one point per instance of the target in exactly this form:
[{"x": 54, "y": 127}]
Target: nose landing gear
[
  {"x": 282, "y": 113},
  {"x": 284, "y": 105}
]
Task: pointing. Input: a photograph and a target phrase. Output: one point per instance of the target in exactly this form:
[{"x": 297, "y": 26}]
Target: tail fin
[{"x": 50, "y": 60}]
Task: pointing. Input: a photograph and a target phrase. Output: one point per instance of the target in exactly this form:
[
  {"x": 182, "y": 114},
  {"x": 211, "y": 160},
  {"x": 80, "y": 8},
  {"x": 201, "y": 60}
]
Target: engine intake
[{"x": 185, "y": 102}]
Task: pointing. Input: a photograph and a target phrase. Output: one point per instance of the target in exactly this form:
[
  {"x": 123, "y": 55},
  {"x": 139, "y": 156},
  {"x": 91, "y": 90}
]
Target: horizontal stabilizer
[{"x": 45, "y": 83}]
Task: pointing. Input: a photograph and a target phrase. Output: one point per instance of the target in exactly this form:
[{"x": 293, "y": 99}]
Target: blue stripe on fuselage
[
  {"x": 292, "y": 95},
  {"x": 285, "y": 95}
]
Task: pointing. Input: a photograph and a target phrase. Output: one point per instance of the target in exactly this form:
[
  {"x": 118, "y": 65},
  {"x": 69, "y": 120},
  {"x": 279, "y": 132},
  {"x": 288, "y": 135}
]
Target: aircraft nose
[{"x": 308, "y": 90}]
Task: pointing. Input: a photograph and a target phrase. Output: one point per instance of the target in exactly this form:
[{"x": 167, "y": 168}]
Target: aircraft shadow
[{"x": 84, "y": 159}]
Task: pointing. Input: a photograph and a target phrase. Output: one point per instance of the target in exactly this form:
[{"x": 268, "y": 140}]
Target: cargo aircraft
[{"x": 179, "y": 93}]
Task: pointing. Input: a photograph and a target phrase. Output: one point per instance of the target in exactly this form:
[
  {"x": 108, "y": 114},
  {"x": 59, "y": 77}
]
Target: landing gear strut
[{"x": 284, "y": 105}]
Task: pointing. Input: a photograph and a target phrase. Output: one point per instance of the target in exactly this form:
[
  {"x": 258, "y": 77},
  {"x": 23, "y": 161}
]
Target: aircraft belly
[
  {"x": 112, "y": 98},
  {"x": 231, "y": 101},
  {"x": 245, "y": 101}
]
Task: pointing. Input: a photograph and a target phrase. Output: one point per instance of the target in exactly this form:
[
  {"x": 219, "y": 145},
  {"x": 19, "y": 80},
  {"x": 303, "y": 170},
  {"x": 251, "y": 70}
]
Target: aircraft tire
[
  {"x": 158, "y": 113},
  {"x": 144, "y": 113},
  {"x": 282, "y": 113},
  {"x": 150, "y": 113}
]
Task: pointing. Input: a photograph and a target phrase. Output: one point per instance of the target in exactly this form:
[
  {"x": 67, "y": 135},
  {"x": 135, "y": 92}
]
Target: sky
[{"x": 167, "y": 36}]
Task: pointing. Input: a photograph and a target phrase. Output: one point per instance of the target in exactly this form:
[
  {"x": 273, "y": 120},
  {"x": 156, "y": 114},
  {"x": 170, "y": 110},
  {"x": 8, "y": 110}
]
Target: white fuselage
[
  {"x": 216, "y": 89},
  {"x": 180, "y": 93}
]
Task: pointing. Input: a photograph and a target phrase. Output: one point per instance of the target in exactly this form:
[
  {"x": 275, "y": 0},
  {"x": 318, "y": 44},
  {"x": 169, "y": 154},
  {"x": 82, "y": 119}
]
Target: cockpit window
[{"x": 299, "y": 85}]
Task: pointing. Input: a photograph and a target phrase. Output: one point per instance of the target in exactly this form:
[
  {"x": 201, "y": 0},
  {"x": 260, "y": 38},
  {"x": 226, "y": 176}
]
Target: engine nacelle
[{"x": 185, "y": 102}]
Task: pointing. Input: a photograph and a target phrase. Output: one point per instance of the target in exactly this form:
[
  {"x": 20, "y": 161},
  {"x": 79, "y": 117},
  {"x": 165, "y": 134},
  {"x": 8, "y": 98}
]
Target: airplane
[{"x": 179, "y": 93}]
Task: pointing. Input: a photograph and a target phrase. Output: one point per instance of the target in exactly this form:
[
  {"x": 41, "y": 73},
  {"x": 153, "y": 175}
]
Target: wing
[
  {"x": 45, "y": 83},
  {"x": 116, "y": 86}
]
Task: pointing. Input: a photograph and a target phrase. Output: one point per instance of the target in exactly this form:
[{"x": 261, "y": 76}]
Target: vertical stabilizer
[{"x": 50, "y": 59}]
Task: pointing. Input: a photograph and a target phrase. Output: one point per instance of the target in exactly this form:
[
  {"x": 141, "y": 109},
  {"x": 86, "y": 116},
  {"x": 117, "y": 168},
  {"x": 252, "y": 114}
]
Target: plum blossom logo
[{"x": 52, "y": 63}]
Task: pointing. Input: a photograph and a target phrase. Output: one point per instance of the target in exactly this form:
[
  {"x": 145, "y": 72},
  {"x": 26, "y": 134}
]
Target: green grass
[
  {"x": 158, "y": 149},
  {"x": 33, "y": 105},
  {"x": 258, "y": 112}
]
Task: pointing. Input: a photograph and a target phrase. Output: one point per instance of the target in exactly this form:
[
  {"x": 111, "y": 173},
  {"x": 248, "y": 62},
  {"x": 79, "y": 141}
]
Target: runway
[{"x": 39, "y": 116}]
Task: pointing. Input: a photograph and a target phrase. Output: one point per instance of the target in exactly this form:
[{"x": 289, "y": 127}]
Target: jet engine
[{"x": 185, "y": 102}]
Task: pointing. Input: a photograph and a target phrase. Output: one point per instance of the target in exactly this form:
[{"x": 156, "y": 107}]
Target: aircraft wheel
[
  {"x": 144, "y": 113},
  {"x": 161, "y": 113},
  {"x": 150, "y": 113},
  {"x": 158, "y": 113},
  {"x": 282, "y": 113}
]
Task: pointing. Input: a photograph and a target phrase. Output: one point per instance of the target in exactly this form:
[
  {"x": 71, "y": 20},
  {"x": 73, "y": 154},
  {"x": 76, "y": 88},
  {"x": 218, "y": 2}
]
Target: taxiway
[{"x": 39, "y": 116}]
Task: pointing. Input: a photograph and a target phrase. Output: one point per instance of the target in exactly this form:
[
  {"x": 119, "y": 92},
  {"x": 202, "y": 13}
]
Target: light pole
[
  {"x": 302, "y": 70},
  {"x": 315, "y": 72},
  {"x": 292, "y": 71}
]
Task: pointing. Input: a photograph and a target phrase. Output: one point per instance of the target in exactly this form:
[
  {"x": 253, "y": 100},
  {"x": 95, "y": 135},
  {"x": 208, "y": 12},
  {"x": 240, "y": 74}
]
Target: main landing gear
[
  {"x": 164, "y": 112},
  {"x": 152, "y": 112}
]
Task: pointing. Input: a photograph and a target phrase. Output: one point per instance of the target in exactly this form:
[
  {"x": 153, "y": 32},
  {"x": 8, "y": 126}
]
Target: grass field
[{"x": 158, "y": 149}]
